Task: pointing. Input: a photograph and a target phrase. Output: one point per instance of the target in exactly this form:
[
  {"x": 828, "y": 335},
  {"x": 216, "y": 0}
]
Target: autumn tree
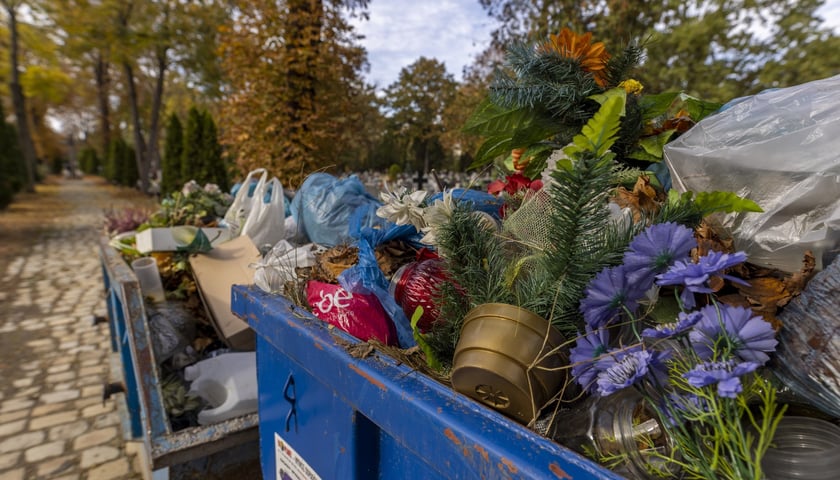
[
  {"x": 12, "y": 168},
  {"x": 716, "y": 49},
  {"x": 171, "y": 178},
  {"x": 27, "y": 147},
  {"x": 293, "y": 72},
  {"x": 191, "y": 159},
  {"x": 213, "y": 165},
  {"x": 417, "y": 101}
]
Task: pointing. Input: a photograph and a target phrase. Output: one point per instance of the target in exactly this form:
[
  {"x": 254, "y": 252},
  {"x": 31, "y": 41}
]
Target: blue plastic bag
[
  {"x": 366, "y": 276},
  {"x": 324, "y": 205},
  {"x": 478, "y": 200}
]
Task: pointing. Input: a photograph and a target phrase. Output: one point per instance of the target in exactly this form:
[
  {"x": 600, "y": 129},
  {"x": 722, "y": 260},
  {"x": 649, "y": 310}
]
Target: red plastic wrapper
[{"x": 359, "y": 315}]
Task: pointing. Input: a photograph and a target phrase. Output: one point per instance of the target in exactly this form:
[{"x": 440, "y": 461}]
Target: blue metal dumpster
[
  {"x": 324, "y": 413},
  {"x": 196, "y": 452}
]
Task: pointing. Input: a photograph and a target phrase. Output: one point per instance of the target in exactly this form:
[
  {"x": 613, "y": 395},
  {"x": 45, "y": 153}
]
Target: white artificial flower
[
  {"x": 402, "y": 208},
  {"x": 551, "y": 165},
  {"x": 212, "y": 189},
  {"x": 435, "y": 215},
  {"x": 190, "y": 187}
]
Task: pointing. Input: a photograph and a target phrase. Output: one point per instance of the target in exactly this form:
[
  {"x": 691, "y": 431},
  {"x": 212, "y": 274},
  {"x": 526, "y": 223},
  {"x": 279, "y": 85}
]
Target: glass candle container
[
  {"x": 618, "y": 426},
  {"x": 805, "y": 448},
  {"x": 414, "y": 285}
]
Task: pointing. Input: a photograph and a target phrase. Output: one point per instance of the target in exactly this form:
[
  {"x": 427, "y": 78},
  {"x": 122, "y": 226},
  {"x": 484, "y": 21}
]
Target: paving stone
[
  {"x": 90, "y": 380},
  {"x": 21, "y": 441},
  {"x": 92, "y": 391},
  {"x": 60, "y": 396},
  {"x": 9, "y": 460},
  {"x": 41, "y": 342},
  {"x": 22, "y": 382},
  {"x": 30, "y": 392},
  {"x": 93, "y": 370},
  {"x": 88, "y": 401},
  {"x": 69, "y": 431},
  {"x": 96, "y": 437},
  {"x": 7, "y": 429},
  {"x": 41, "y": 410},
  {"x": 60, "y": 377},
  {"x": 44, "y": 451},
  {"x": 98, "y": 455},
  {"x": 54, "y": 466},
  {"x": 8, "y": 417},
  {"x": 16, "y": 474},
  {"x": 103, "y": 421},
  {"x": 13, "y": 404},
  {"x": 111, "y": 470},
  {"x": 98, "y": 409},
  {"x": 61, "y": 367},
  {"x": 53, "y": 420}
]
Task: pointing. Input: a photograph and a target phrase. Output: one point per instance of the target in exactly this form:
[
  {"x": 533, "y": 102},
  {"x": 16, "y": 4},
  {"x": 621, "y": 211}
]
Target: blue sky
[{"x": 452, "y": 31}]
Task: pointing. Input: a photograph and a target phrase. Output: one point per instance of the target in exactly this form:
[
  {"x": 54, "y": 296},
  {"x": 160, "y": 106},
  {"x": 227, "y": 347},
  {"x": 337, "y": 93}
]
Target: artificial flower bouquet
[{"x": 698, "y": 371}]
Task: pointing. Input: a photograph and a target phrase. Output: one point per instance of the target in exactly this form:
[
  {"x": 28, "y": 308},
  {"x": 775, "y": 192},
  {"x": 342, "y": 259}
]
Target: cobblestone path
[{"x": 53, "y": 359}]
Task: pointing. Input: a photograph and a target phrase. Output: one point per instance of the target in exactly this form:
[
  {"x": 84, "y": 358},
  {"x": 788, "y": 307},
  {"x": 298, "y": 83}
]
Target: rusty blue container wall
[
  {"x": 116, "y": 275},
  {"x": 148, "y": 418},
  {"x": 110, "y": 304},
  {"x": 372, "y": 418}
]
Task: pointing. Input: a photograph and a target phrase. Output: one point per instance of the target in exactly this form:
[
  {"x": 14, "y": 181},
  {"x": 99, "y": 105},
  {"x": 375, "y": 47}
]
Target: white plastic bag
[
  {"x": 266, "y": 222},
  {"x": 244, "y": 201},
  {"x": 781, "y": 149},
  {"x": 278, "y": 265}
]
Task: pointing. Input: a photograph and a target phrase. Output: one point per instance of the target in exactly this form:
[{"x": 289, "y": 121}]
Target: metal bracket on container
[{"x": 292, "y": 399}]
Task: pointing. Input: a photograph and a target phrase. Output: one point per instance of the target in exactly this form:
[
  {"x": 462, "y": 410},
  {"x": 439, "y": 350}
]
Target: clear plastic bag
[{"x": 781, "y": 149}]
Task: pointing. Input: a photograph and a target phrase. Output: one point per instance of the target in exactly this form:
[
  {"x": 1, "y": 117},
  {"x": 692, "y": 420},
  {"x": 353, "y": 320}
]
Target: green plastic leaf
[
  {"x": 699, "y": 109},
  {"x": 492, "y": 148},
  {"x": 199, "y": 244},
  {"x": 654, "y": 145},
  {"x": 601, "y": 98},
  {"x": 489, "y": 119},
  {"x": 431, "y": 359},
  {"x": 655, "y": 105},
  {"x": 710, "y": 202},
  {"x": 538, "y": 154},
  {"x": 601, "y": 131}
]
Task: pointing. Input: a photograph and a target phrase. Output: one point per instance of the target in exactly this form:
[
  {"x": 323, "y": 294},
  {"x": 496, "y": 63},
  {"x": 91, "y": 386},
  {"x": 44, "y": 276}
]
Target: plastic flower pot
[{"x": 502, "y": 360}]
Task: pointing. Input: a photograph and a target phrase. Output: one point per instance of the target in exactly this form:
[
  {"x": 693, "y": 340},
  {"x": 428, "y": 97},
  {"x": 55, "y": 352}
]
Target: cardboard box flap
[{"x": 215, "y": 272}]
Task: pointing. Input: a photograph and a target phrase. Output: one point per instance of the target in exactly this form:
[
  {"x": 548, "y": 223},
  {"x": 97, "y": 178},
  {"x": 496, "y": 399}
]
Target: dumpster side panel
[{"x": 407, "y": 425}]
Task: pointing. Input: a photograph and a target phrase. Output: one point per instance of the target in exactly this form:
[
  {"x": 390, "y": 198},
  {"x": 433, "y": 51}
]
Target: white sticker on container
[{"x": 290, "y": 465}]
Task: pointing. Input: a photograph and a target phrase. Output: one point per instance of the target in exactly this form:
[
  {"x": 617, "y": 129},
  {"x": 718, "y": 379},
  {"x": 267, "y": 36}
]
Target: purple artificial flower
[
  {"x": 587, "y": 357},
  {"x": 655, "y": 249},
  {"x": 726, "y": 374},
  {"x": 736, "y": 330},
  {"x": 667, "y": 330},
  {"x": 630, "y": 365},
  {"x": 682, "y": 406},
  {"x": 695, "y": 276},
  {"x": 607, "y": 295}
]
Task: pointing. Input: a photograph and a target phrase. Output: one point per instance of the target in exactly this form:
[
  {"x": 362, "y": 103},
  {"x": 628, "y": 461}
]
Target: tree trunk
[
  {"x": 19, "y": 103},
  {"x": 102, "y": 83},
  {"x": 154, "y": 123},
  {"x": 139, "y": 141},
  {"x": 303, "y": 36}
]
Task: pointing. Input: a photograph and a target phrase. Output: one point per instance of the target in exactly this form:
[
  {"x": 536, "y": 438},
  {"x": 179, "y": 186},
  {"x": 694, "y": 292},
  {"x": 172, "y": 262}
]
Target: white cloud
[{"x": 401, "y": 31}]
